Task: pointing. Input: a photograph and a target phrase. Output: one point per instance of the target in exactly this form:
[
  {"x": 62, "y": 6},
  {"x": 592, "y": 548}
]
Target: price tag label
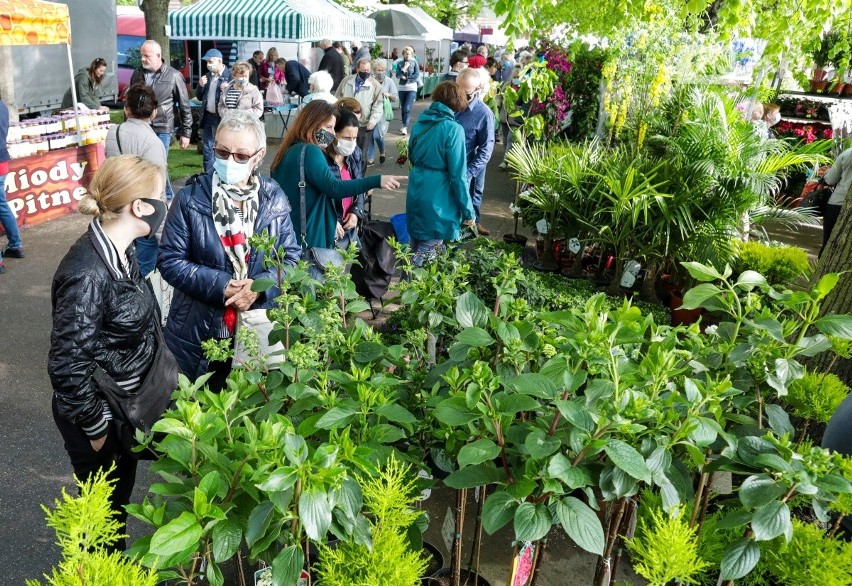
[
  {"x": 542, "y": 226},
  {"x": 448, "y": 529},
  {"x": 574, "y": 245}
]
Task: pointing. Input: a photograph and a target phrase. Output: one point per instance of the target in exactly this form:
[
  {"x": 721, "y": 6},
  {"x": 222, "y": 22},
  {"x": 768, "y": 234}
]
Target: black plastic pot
[
  {"x": 467, "y": 578},
  {"x": 437, "y": 562},
  {"x": 515, "y": 239}
]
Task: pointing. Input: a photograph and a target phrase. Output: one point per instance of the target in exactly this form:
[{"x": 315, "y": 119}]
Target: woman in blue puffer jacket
[{"x": 205, "y": 252}]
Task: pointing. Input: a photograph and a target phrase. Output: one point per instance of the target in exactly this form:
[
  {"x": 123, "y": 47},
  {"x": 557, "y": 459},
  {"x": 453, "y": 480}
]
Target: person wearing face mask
[
  {"x": 209, "y": 92},
  {"x": 105, "y": 317},
  {"x": 408, "y": 74},
  {"x": 303, "y": 147},
  {"x": 388, "y": 91},
  {"x": 205, "y": 252},
  {"x": 458, "y": 61},
  {"x": 135, "y": 137},
  {"x": 477, "y": 120},
  {"x": 344, "y": 161},
  {"x": 240, "y": 94},
  {"x": 364, "y": 88}
]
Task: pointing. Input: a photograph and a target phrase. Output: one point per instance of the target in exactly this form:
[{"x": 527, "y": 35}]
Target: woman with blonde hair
[
  {"x": 105, "y": 319},
  {"x": 266, "y": 70},
  {"x": 240, "y": 94},
  {"x": 408, "y": 73}
]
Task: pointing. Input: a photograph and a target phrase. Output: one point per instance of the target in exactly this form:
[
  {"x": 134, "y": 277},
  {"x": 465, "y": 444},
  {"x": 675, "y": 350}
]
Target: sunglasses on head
[{"x": 223, "y": 154}]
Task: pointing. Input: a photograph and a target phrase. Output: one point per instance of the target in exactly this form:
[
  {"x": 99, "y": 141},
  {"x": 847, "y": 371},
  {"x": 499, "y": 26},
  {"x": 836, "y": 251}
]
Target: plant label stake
[
  {"x": 448, "y": 529},
  {"x": 574, "y": 245}
]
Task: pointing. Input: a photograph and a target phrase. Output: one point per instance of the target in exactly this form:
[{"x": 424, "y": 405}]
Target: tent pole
[{"x": 74, "y": 95}]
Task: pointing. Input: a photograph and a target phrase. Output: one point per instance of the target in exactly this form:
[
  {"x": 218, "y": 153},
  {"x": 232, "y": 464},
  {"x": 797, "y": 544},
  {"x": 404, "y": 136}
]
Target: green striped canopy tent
[{"x": 294, "y": 21}]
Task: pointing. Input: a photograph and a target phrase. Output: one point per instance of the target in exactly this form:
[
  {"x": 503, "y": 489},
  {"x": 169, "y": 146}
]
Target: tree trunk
[
  {"x": 156, "y": 19},
  {"x": 837, "y": 257}
]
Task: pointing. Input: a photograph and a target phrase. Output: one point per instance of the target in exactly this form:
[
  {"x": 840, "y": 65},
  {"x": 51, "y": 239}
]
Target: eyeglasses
[{"x": 241, "y": 158}]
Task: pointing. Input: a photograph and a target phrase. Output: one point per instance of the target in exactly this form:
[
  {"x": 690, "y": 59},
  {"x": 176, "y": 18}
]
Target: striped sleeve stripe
[{"x": 97, "y": 429}]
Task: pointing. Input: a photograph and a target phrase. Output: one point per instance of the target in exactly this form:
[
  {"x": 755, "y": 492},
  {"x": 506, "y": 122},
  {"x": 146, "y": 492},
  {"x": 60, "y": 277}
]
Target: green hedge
[{"x": 780, "y": 264}]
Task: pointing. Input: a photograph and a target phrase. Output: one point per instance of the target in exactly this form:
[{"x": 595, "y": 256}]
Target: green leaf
[
  {"x": 771, "y": 520},
  {"x": 734, "y": 520},
  {"x": 211, "y": 484},
  {"x": 473, "y": 476},
  {"x": 471, "y": 311},
  {"x": 454, "y": 412},
  {"x": 759, "y": 490},
  {"x": 748, "y": 280},
  {"x": 295, "y": 448},
  {"x": 740, "y": 558},
  {"x": 315, "y": 513},
  {"x": 366, "y": 352},
  {"x": 287, "y": 565},
  {"x": 779, "y": 421},
  {"x": 515, "y": 403},
  {"x": 337, "y": 418},
  {"x": 826, "y": 284},
  {"x": 581, "y": 524},
  {"x": 698, "y": 295},
  {"x": 702, "y": 273},
  {"x": 280, "y": 480},
  {"x": 214, "y": 575},
  {"x": 560, "y": 467},
  {"x": 226, "y": 537},
  {"x": 576, "y": 414},
  {"x": 839, "y": 326},
  {"x": 534, "y": 384},
  {"x": 258, "y": 522},
  {"x": 176, "y": 536},
  {"x": 475, "y": 338},
  {"x": 539, "y": 445},
  {"x": 499, "y": 509},
  {"x": 532, "y": 521},
  {"x": 263, "y": 284},
  {"x": 482, "y": 450},
  {"x": 397, "y": 413},
  {"x": 628, "y": 459}
]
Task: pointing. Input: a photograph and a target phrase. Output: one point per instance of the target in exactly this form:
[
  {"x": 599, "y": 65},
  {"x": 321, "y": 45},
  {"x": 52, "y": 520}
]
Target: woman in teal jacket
[
  {"x": 312, "y": 132},
  {"x": 438, "y": 201}
]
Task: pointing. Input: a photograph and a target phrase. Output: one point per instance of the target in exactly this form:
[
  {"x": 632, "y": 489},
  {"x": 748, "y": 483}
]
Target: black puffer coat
[
  {"x": 98, "y": 320},
  {"x": 193, "y": 260}
]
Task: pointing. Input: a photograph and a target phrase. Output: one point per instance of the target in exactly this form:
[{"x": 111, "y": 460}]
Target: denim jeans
[
  {"x": 406, "y": 100},
  {"x": 146, "y": 254},
  {"x": 208, "y": 137},
  {"x": 166, "y": 138},
  {"x": 424, "y": 250},
  {"x": 378, "y": 140},
  {"x": 477, "y": 187},
  {"x": 7, "y": 218}
]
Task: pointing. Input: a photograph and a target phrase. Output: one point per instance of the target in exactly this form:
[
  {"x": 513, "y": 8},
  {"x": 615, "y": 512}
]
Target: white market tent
[
  {"x": 435, "y": 33},
  {"x": 294, "y": 21}
]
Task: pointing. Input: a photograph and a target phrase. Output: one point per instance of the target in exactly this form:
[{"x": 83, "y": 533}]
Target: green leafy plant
[
  {"x": 781, "y": 265},
  {"x": 816, "y": 396},
  {"x": 389, "y": 559},
  {"x": 85, "y": 528},
  {"x": 811, "y": 557},
  {"x": 666, "y": 549}
]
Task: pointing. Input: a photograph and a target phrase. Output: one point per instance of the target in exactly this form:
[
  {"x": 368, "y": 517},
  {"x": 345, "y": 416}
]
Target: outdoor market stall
[
  {"x": 53, "y": 158},
  {"x": 405, "y": 25}
]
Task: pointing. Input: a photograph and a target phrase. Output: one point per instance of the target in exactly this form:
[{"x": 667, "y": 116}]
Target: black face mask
[
  {"x": 364, "y": 75},
  {"x": 155, "y": 220},
  {"x": 324, "y": 137}
]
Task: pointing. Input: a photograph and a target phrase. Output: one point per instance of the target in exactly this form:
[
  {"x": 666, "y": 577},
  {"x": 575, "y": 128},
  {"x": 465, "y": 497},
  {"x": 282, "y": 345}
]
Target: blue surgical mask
[{"x": 230, "y": 171}]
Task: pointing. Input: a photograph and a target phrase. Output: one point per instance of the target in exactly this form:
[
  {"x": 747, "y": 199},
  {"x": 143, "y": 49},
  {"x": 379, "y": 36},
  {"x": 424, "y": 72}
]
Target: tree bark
[
  {"x": 836, "y": 258},
  {"x": 156, "y": 18}
]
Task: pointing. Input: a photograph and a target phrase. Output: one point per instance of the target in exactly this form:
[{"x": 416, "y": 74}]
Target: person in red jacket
[{"x": 478, "y": 60}]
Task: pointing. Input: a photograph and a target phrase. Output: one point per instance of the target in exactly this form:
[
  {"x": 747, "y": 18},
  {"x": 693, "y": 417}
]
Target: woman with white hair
[
  {"x": 206, "y": 252},
  {"x": 320, "y": 84}
]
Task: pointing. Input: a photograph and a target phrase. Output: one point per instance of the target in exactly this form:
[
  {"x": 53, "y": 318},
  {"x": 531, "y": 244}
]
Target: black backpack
[{"x": 376, "y": 262}]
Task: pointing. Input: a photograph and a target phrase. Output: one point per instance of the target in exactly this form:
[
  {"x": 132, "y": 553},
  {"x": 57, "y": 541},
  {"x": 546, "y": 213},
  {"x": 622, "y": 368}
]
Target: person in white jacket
[
  {"x": 389, "y": 92},
  {"x": 839, "y": 176}
]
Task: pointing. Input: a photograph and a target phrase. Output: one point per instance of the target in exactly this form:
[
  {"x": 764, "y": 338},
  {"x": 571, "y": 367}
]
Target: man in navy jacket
[
  {"x": 297, "y": 76},
  {"x": 216, "y": 77},
  {"x": 478, "y": 123}
]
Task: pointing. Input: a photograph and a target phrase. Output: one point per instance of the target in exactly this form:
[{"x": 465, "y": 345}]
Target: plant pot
[
  {"x": 847, "y": 89},
  {"x": 519, "y": 239},
  {"x": 683, "y": 317},
  {"x": 818, "y": 86},
  {"x": 444, "y": 577},
  {"x": 436, "y": 562},
  {"x": 838, "y": 88}
]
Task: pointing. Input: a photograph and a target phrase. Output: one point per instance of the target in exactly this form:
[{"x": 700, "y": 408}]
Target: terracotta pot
[
  {"x": 847, "y": 89},
  {"x": 683, "y": 317},
  {"x": 818, "y": 86}
]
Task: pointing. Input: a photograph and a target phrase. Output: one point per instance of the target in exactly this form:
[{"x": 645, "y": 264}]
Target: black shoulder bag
[{"x": 140, "y": 410}]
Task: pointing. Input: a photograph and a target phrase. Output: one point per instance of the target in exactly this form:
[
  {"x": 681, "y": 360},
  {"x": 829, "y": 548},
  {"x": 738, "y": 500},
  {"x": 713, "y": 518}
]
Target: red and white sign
[{"x": 43, "y": 187}]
